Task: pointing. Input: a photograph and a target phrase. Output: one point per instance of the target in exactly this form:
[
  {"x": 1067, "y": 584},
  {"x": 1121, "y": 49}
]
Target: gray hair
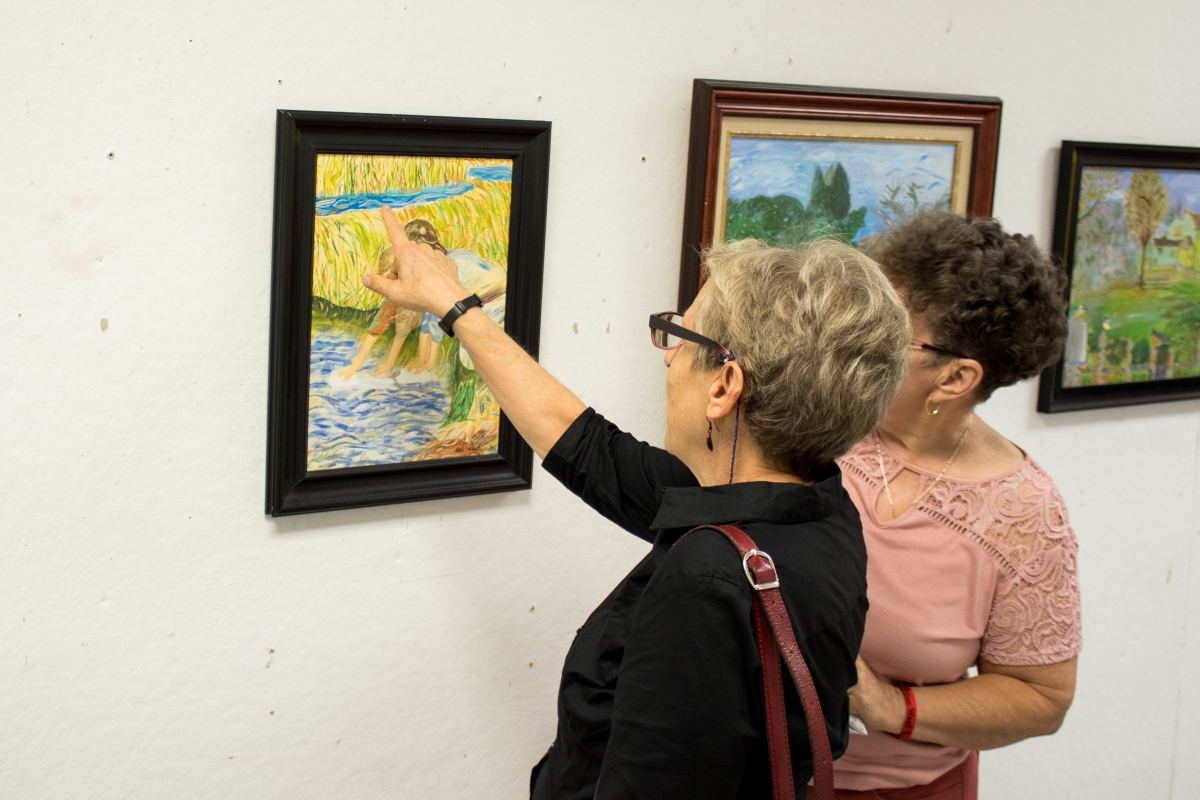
[{"x": 822, "y": 337}]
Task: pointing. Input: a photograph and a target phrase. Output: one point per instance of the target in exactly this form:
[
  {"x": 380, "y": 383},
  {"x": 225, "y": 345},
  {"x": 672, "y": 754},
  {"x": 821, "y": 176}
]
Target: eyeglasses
[
  {"x": 667, "y": 333},
  {"x": 922, "y": 346}
]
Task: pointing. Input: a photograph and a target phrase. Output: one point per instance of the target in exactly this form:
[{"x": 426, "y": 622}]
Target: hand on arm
[
  {"x": 1001, "y": 706},
  {"x": 426, "y": 280}
]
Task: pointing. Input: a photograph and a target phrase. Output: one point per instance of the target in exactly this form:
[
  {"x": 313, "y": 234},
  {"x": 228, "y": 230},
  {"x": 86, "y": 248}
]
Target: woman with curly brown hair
[{"x": 971, "y": 559}]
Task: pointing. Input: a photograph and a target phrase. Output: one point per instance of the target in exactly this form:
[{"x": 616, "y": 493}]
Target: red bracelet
[{"x": 910, "y": 712}]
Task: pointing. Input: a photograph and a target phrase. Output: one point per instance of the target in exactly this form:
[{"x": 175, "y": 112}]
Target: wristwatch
[{"x": 446, "y": 323}]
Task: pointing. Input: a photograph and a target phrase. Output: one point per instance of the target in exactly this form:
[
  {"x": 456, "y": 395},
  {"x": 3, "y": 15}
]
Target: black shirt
[{"x": 663, "y": 683}]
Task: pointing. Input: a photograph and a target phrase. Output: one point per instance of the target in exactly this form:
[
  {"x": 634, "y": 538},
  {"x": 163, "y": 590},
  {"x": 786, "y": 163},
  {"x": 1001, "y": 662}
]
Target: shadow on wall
[{"x": 335, "y": 521}]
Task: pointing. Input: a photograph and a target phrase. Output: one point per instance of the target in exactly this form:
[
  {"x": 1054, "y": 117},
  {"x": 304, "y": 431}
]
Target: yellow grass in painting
[
  {"x": 359, "y": 174},
  {"x": 347, "y": 245}
]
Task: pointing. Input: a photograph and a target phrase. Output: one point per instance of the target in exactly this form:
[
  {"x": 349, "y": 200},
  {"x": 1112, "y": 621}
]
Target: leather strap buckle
[
  {"x": 772, "y": 579},
  {"x": 776, "y": 638}
]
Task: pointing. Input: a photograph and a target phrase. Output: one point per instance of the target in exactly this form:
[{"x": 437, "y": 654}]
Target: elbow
[
  {"x": 1053, "y": 724},
  {"x": 1054, "y": 719}
]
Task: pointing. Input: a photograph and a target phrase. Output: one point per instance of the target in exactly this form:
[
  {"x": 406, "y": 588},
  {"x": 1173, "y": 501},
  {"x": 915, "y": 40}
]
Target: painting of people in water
[
  {"x": 369, "y": 403},
  {"x": 386, "y": 386},
  {"x": 1127, "y": 233}
]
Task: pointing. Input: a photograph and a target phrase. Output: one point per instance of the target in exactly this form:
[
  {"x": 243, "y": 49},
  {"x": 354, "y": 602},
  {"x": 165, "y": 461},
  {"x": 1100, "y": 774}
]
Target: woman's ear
[
  {"x": 959, "y": 379},
  {"x": 726, "y": 390}
]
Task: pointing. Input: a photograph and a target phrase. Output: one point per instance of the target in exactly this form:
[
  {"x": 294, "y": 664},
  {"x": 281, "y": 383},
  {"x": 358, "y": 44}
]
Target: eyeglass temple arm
[{"x": 690, "y": 335}]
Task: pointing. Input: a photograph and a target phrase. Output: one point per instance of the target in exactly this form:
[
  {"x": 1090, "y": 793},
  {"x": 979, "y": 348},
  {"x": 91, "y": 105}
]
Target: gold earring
[{"x": 935, "y": 411}]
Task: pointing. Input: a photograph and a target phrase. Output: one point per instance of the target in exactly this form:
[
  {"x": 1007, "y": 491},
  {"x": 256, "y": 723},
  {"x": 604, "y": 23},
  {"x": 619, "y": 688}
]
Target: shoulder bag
[{"x": 773, "y": 630}]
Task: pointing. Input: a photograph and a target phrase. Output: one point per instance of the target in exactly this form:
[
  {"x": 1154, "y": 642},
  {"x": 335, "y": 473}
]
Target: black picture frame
[
  {"x": 1053, "y": 397},
  {"x": 300, "y": 137},
  {"x": 715, "y": 101}
]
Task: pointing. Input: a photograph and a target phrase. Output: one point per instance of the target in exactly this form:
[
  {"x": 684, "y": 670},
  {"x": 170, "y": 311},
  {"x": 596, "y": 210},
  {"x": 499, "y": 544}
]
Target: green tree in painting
[
  {"x": 829, "y": 211},
  {"x": 1145, "y": 207},
  {"x": 769, "y": 218},
  {"x": 1095, "y": 185},
  {"x": 818, "y": 196},
  {"x": 1100, "y": 233},
  {"x": 783, "y": 219},
  {"x": 779, "y": 214},
  {"x": 1181, "y": 309},
  {"x": 839, "y": 193}
]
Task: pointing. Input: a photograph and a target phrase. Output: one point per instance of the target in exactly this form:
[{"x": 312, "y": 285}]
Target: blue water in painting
[
  {"x": 366, "y": 420},
  {"x": 340, "y": 204},
  {"x": 503, "y": 172}
]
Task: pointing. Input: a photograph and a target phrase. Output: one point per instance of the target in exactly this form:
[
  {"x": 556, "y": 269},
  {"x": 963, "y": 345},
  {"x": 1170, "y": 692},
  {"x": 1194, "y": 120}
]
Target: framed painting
[
  {"x": 1125, "y": 228},
  {"x": 369, "y": 403},
  {"x": 788, "y": 163}
]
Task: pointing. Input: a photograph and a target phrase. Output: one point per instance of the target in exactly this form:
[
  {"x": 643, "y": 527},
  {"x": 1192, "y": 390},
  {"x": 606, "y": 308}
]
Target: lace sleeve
[{"x": 1035, "y": 615}]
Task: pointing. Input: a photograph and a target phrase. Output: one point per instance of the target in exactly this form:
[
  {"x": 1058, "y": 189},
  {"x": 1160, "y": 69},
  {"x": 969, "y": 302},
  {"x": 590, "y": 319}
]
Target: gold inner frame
[{"x": 961, "y": 136}]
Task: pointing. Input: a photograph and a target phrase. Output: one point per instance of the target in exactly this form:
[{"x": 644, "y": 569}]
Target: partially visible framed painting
[
  {"x": 1126, "y": 226},
  {"x": 787, "y": 163},
  {"x": 369, "y": 403}
]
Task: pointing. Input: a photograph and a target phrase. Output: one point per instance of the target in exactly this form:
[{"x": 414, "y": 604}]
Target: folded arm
[{"x": 1000, "y": 706}]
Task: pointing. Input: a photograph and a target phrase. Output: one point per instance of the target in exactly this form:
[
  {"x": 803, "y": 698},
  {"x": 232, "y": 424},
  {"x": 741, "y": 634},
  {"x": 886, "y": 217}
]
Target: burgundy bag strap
[{"x": 771, "y": 616}]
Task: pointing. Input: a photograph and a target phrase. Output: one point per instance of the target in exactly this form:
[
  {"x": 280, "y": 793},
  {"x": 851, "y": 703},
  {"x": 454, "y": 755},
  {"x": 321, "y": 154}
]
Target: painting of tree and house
[{"x": 1135, "y": 295}]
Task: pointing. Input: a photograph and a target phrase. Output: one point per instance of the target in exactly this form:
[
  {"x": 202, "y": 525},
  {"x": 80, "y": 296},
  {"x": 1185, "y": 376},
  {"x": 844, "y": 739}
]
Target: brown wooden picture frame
[{"x": 714, "y": 101}]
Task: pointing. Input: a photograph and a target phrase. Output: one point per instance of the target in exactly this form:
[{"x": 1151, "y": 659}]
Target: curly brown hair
[{"x": 990, "y": 295}]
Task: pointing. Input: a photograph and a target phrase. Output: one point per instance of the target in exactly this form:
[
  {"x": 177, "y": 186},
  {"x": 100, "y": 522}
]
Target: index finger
[{"x": 394, "y": 228}]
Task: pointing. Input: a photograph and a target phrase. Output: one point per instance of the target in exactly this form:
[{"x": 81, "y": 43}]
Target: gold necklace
[{"x": 883, "y": 472}]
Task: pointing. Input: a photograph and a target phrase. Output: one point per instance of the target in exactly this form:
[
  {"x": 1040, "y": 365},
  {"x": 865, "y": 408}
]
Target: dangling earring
[
  {"x": 709, "y": 435},
  {"x": 935, "y": 411}
]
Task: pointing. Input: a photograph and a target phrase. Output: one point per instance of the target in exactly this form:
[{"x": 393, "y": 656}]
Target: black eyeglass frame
[{"x": 659, "y": 322}]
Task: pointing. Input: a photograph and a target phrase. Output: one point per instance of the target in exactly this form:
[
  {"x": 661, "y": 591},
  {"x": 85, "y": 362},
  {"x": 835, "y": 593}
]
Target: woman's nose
[{"x": 669, "y": 356}]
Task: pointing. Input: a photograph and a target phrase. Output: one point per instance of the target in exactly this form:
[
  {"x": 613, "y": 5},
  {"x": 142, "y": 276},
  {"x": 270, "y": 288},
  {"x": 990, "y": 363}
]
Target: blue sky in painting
[
  {"x": 774, "y": 166},
  {"x": 1183, "y": 186}
]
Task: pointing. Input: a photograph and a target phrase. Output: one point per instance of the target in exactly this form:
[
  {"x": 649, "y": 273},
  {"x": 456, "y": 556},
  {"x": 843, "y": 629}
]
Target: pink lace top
[{"x": 975, "y": 569}]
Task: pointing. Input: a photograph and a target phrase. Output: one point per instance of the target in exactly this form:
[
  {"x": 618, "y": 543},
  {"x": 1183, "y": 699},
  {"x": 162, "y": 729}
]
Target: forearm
[
  {"x": 982, "y": 713},
  {"x": 538, "y": 405},
  {"x": 425, "y": 280}
]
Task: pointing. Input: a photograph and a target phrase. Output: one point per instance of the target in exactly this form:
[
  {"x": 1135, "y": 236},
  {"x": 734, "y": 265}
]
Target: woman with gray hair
[{"x": 786, "y": 359}]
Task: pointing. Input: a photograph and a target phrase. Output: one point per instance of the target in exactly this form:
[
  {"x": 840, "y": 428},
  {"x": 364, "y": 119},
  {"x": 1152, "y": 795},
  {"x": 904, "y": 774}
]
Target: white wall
[{"x": 160, "y": 638}]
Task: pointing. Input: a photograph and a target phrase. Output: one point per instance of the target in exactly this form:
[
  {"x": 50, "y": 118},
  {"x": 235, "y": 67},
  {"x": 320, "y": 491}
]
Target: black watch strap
[{"x": 446, "y": 323}]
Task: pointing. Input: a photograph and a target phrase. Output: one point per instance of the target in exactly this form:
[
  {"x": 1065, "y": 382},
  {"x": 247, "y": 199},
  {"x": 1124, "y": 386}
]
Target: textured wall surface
[{"x": 160, "y": 638}]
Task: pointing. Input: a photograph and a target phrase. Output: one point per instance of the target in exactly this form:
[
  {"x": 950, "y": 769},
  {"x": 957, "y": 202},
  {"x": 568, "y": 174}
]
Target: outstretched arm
[{"x": 539, "y": 406}]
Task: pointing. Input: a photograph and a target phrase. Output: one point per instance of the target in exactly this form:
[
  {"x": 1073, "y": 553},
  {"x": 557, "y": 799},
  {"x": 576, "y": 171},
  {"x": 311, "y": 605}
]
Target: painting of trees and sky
[
  {"x": 785, "y": 190},
  {"x": 1135, "y": 294}
]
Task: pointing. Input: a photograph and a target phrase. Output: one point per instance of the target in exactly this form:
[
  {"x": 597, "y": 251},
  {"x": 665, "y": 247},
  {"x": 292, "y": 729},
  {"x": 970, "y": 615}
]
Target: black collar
[{"x": 760, "y": 501}]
